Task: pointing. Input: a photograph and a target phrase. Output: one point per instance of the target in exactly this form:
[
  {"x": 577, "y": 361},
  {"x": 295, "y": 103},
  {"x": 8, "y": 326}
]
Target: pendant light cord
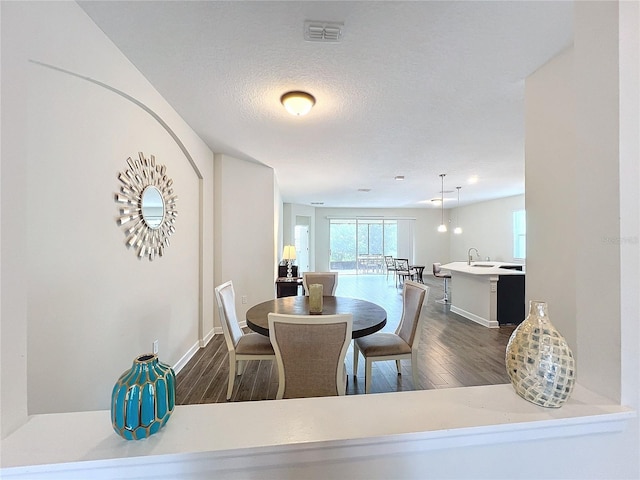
[{"x": 442, "y": 197}]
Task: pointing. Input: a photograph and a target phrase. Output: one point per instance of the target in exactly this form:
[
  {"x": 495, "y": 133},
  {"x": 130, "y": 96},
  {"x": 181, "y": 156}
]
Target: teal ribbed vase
[{"x": 143, "y": 398}]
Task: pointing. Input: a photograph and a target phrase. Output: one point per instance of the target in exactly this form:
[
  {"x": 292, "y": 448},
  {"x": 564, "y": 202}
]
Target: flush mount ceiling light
[
  {"x": 442, "y": 227},
  {"x": 298, "y": 103}
]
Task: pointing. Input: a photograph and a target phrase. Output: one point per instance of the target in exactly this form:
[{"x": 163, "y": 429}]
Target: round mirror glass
[{"x": 152, "y": 207}]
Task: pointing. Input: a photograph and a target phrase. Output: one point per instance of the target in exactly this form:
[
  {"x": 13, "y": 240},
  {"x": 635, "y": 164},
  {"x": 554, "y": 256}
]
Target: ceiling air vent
[{"x": 323, "y": 31}]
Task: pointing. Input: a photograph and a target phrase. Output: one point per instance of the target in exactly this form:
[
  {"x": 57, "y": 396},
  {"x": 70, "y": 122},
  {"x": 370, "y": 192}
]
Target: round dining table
[{"x": 368, "y": 317}]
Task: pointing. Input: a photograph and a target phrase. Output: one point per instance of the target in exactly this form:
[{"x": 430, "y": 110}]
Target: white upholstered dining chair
[
  {"x": 401, "y": 345},
  {"x": 328, "y": 280},
  {"x": 241, "y": 346},
  {"x": 310, "y": 352}
]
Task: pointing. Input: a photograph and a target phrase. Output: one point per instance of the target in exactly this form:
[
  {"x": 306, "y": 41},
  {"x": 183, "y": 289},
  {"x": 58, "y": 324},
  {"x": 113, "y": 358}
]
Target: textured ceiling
[{"x": 414, "y": 88}]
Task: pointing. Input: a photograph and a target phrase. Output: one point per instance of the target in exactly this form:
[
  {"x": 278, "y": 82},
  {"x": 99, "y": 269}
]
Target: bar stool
[{"x": 437, "y": 272}]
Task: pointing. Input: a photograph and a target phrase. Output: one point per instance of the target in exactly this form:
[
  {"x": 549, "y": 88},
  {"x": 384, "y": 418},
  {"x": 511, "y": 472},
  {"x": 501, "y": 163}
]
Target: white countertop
[
  {"x": 84, "y": 445},
  {"x": 483, "y": 268}
]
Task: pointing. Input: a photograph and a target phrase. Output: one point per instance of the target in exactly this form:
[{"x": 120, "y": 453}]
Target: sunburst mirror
[{"x": 147, "y": 206}]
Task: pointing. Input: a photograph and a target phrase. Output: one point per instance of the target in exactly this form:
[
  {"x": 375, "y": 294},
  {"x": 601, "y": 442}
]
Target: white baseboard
[
  {"x": 207, "y": 338},
  {"x": 179, "y": 365},
  {"x": 475, "y": 318},
  {"x": 194, "y": 348}
]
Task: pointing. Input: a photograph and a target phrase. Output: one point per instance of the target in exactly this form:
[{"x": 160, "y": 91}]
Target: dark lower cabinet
[
  {"x": 288, "y": 288},
  {"x": 511, "y": 306}
]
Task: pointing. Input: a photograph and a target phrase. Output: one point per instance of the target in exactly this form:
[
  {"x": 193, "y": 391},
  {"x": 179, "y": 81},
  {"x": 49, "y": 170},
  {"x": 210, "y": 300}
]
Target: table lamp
[{"x": 289, "y": 254}]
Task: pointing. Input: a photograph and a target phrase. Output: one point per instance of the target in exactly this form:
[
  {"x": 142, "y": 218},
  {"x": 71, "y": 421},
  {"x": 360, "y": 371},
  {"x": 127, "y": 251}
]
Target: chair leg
[
  {"x": 232, "y": 375},
  {"x": 445, "y": 299},
  {"x": 343, "y": 382},
  {"x": 367, "y": 375},
  {"x": 446, "y": 290},
  {"x": 356, "y": 354},
  {"x": 241, "y": 365},
  {"x": 398, "y": 367}
]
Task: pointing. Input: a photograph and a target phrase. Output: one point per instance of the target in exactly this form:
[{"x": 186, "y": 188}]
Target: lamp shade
[
  {"x": 298, "y": 103},
  {"x": 289, "y": 252}
]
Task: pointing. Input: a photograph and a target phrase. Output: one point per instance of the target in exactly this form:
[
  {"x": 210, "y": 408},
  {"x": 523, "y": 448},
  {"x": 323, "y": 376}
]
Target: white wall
[
  {"x": 574, "y": 153},
  {"x": 582, "y": 147},
  {"x": 598, "y": 132},
  {"x": 279, "y": 226},
  {"x": 288, "y": 224},
  {"x": 291, "y": 211},
  {"x": 245, "y": 229},
  {"x": 629, "y": 54},
  {"x": 487, "y": 226},
  {"x": 83, "y": 305},
  {"x": 552, "y": 235},
  {"x": 430, "y": 246}
]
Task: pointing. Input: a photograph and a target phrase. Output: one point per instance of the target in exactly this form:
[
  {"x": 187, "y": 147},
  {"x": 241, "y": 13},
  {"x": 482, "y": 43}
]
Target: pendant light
[
  {"x": 458, "y": 230},
  {"x": 442, "y": 227}
]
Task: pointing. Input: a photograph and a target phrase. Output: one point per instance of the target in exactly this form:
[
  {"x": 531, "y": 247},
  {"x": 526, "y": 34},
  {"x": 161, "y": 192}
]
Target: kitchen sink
[{"x": 483, "y": 265}]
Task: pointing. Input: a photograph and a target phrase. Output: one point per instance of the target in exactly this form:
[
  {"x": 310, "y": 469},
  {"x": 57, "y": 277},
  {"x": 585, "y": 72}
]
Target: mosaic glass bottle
[{"x": 539, "y": 361}]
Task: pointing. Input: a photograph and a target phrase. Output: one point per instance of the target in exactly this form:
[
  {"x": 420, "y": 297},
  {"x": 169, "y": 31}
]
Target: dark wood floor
[{"x": 454, "y": 352}]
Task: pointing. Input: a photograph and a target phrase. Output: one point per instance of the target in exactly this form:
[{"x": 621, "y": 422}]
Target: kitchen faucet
[{"x": 469, "y": 257}]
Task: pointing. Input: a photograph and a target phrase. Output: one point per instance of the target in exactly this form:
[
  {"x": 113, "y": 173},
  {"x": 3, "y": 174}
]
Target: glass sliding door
[
  {"x": 342, "y": 245},
  {"x": 370, "y": 246},
  {"x": 358, "y": 245},
  {"x": 391, "y": 238}
]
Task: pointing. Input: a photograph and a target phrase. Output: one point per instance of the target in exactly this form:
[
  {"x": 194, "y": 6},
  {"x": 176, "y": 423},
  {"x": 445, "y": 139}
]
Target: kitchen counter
[
  {"x": 485, "y": 268},
  {"x": 488, "y": 293}
]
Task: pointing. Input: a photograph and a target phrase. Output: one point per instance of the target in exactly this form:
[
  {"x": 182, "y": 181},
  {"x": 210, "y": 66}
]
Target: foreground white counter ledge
[{"x": 338, "y": 427}]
